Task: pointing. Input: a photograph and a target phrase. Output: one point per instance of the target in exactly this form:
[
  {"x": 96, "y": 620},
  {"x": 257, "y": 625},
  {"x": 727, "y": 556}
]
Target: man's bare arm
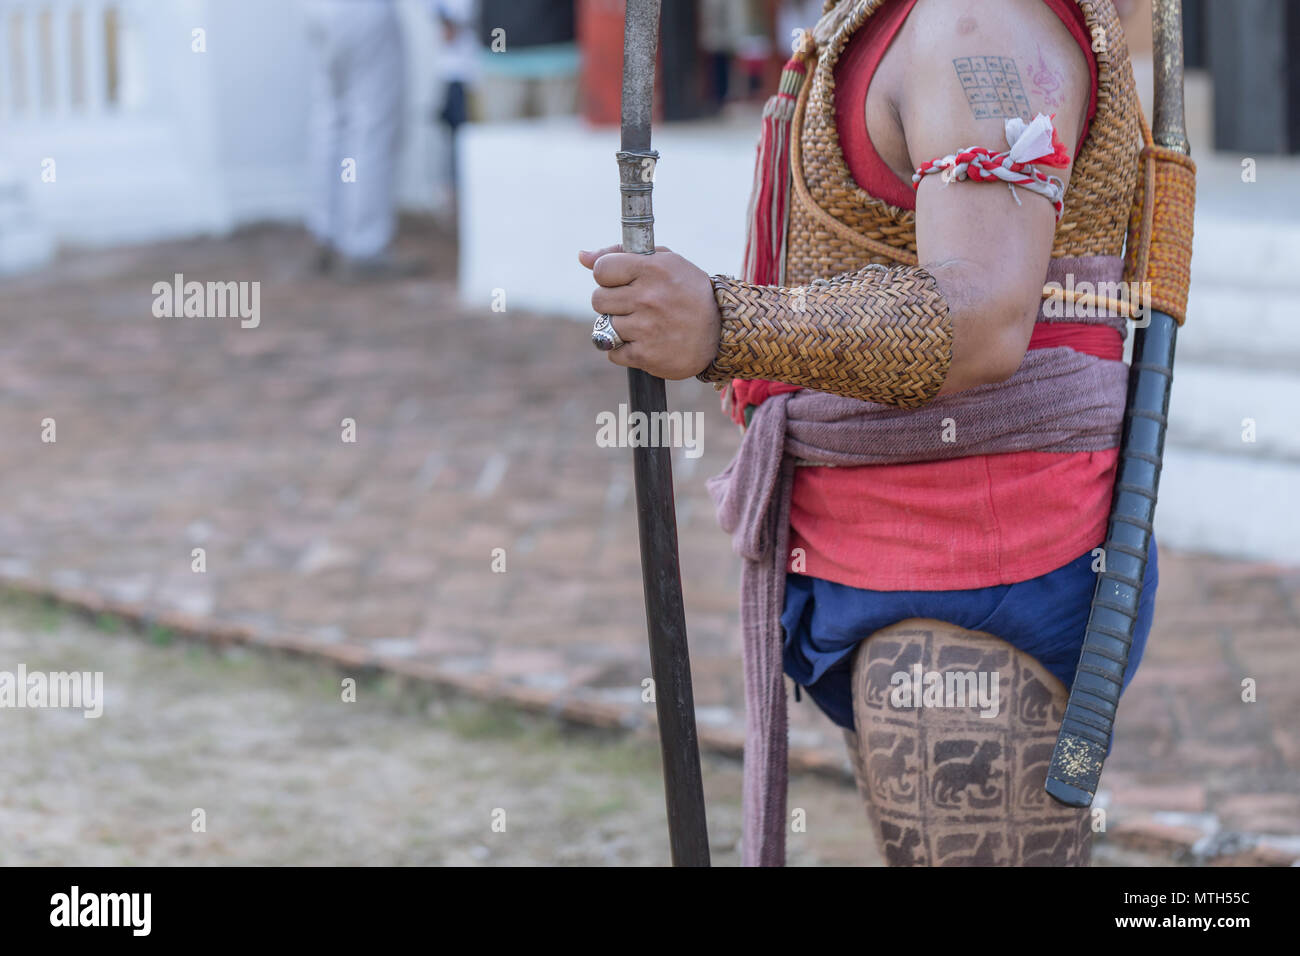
[
  {"x": 961, "y": 319},
  {"x": 978, "y": 63}
]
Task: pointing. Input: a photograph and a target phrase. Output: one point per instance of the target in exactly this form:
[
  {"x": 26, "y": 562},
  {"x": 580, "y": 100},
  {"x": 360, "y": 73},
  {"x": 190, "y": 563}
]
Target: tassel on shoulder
[{"x": 769, "y": 198}]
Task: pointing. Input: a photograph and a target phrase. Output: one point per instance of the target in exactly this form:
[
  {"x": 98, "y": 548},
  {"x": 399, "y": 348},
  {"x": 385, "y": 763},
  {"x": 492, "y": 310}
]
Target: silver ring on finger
[{"x": 604, "y": 336}]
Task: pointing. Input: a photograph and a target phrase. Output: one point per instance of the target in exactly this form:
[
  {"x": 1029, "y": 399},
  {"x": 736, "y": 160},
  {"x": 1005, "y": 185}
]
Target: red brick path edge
[
  {"x": 1146, "y": 832},
  {"x": 358, "y": 657}
]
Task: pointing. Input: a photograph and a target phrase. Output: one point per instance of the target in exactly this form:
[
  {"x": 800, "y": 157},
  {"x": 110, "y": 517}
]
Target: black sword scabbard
[
  {"x": 1084, "y": 737},
  {"x": 1094, "y": 698}
]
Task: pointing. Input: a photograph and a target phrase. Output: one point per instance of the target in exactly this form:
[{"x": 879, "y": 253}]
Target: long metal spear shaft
[
  {"x": 1075, "y": 770},
  {"x": 670, "y": 663}
]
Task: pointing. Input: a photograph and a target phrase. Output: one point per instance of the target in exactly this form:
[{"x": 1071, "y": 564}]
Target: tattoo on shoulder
[
  {"x": 992, "y": 86},
  {"x": 1048, "y": 82}
]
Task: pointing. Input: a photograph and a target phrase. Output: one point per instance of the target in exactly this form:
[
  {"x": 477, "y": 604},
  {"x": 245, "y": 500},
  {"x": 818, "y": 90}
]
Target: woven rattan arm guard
[{"x": 879, "y": 334}]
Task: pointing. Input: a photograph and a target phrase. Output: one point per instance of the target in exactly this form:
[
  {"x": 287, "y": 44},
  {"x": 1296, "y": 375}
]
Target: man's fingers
[
  {"x": 616, "y": 302},
  {"x": 614, "y": 270},
  {"x": 618, "y": 269},
  {"x": 628, "y": 356},
  {"x": 589, "y": 258},
  {"x": 628, "y": 327}
]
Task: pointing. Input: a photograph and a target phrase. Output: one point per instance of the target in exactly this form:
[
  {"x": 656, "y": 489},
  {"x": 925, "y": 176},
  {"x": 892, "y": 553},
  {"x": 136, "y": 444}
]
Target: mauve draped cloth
[{"x": 1060, "y": 400}]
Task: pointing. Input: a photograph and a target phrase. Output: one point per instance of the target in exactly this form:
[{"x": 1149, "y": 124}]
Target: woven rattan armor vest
[{"x": 836, "y": 227}]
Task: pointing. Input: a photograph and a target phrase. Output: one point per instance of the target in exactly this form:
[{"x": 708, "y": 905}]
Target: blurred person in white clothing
[{"x": 358, "y": 80}]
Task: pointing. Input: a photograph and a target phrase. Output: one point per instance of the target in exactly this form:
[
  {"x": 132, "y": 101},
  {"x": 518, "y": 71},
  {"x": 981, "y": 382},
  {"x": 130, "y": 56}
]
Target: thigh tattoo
[{"x": 945, "y": 786}]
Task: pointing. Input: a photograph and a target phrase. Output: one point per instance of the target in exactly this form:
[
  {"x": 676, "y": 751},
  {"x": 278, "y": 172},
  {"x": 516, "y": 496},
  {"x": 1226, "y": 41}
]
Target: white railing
[{"x": 61, "y": 58}]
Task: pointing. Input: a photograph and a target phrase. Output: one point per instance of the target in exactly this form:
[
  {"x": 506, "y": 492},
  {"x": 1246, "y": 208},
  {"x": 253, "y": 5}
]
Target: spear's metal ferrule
[{"x": 636, "y": 169}]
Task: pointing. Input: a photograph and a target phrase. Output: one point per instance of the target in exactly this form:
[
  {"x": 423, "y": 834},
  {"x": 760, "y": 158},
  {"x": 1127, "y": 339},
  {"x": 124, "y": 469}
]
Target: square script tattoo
[{"x": 992, "y": 85}]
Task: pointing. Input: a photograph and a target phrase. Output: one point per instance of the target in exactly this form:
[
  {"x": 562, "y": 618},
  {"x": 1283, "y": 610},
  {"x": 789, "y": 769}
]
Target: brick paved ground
[{"x": 476, "y": 431}]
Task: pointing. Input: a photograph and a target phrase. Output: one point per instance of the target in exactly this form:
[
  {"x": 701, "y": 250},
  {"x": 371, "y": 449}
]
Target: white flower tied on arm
[{"x": 1031, "y": 144}]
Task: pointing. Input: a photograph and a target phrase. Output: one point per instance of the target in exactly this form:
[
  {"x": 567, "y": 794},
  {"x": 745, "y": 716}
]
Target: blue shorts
[{"x": 1045, "y": 617}]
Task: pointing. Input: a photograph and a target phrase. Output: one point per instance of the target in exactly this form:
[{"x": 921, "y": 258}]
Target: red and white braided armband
[{"x": 1032, "y": 144}]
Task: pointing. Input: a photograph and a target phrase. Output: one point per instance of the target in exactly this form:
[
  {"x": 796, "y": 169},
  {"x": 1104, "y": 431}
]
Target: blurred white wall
[
  {"x": 184, "y": 142},
  {"x": 536, "y": 191}
]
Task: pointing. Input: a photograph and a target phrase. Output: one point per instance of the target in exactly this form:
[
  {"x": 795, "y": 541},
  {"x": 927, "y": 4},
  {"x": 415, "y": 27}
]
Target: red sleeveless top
[{"x": 972, "y": 522}]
